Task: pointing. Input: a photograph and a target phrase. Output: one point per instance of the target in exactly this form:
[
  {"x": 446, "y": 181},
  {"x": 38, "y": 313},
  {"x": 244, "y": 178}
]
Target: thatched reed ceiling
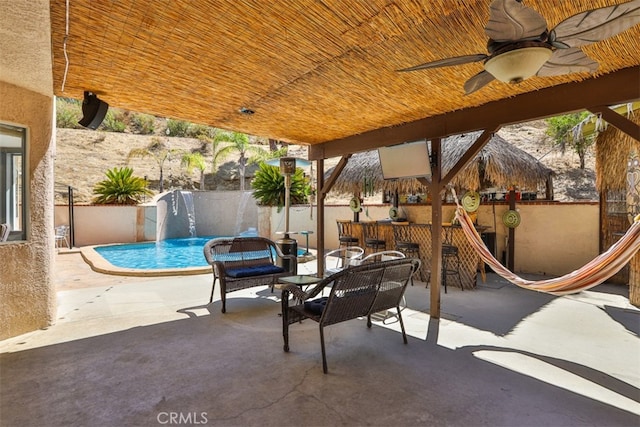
[
  {"x": 313, "y": 71},
  {"x": 501, "y": 164}
]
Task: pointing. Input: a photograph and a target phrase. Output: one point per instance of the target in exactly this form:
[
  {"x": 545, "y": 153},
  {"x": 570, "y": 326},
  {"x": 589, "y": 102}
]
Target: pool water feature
[{"x": 183, "y": 213}]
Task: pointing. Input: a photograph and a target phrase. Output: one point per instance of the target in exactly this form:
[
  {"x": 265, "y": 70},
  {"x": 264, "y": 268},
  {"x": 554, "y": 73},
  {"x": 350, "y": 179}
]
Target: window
[{"x": 13, "y": 180}]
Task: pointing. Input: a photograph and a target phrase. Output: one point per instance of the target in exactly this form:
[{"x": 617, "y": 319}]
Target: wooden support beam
[
  {"x": 324, "y": 189},
  {"x": 475, "y": 148},
  {"x": 619, "y": 121},
  {"x": 610, "y": 89}
]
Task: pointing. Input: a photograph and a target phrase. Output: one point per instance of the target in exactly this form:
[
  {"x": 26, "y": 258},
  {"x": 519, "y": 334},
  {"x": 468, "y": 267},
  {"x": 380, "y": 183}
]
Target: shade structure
[
  {"x": 613, "y": 150},
  {"x": 498, "y": 164},
  {"x": 310, "y": 71}
]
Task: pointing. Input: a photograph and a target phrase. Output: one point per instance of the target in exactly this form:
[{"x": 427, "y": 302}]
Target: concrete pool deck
[
  {"x": 135, "y": 351},
  {"x": 98, "y": 263}
]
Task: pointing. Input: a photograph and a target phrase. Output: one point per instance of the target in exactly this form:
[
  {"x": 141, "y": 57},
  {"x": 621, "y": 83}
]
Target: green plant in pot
[
  {"x": 268, "y": 187},
  {"x": 121, "y": 188}
]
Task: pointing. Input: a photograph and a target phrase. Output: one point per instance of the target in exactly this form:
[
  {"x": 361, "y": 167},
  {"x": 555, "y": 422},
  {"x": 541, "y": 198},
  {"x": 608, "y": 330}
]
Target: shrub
[
  {"x": 121, "y": 188},
  {"x": 201, "y": 131},
  {"x": 114, "y": 121},
  {"x": 177, "y": 128},
  {"x": 68, "y": 113},
  {"x": 143, "y": 123},
  {"x": 268, "y": 187},
  {"x": 560, "y": 129}
]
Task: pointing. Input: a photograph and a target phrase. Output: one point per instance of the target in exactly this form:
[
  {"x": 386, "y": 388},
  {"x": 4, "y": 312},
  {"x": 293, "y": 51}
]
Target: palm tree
[
  {"x": 121, "y": 188},
  {"x": 195, "y": 161},
  {"x": 159, "y": 151},
  {"x": 237, "y": 142}
]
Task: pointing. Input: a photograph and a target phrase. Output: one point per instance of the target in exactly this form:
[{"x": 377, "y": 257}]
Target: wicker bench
[
  {"x": 245, "y": 262},
  {"x": 355, "y": 292}
]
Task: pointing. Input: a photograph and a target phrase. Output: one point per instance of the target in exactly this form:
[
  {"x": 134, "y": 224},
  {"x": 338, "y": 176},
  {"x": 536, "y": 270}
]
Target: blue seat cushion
[
  {"x": 316, "y": 306},
  {"x": 254, "y": 270}
]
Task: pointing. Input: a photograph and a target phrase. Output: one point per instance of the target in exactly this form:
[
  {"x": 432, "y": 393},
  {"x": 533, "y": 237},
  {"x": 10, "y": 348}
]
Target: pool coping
[{"x": 98, "y": 263}]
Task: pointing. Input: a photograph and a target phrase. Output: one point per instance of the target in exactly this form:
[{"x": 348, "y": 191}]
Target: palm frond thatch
[
  {"x": 613, "y": 150},
  {"x": 499, "y": 164}
]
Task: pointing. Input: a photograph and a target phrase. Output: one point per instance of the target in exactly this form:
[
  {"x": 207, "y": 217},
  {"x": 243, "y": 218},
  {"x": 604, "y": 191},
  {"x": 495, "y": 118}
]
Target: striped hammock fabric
[{"x": 591, "y": 274}]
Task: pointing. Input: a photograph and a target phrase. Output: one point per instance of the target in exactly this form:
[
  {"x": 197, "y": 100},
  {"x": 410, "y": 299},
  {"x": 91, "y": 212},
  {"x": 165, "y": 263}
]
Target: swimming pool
[
  {"x": 179, "y": 256},
  {"x": 170, "y": 253}
]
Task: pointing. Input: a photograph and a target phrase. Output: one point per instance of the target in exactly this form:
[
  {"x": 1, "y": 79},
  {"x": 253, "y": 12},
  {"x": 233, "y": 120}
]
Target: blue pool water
[
  {"x": 171, "y": 253},
  {"x": 167, "y": 254}
]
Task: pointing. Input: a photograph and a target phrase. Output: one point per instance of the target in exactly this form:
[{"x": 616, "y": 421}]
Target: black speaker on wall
[{"x": 93, "y": 111}]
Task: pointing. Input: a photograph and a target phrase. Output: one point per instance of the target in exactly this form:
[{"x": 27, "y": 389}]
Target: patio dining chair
[
  {"x": 339, "y": 259},
  {"x": 382, "y": 256},
  {"x": 5, "y": 229},
  {"x": 62, "y": 236}
]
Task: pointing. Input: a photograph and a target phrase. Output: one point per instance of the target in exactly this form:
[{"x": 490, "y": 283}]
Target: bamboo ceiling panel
[{"x": 313, "y": 71}]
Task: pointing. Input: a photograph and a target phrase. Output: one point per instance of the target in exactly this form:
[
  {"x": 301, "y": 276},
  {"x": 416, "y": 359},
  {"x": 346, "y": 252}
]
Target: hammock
[{"x": 591, "y": 274}]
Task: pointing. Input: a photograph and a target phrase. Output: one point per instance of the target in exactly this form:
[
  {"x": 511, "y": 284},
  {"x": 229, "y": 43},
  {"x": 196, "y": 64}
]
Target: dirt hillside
[{"x": 83, "y": 157}]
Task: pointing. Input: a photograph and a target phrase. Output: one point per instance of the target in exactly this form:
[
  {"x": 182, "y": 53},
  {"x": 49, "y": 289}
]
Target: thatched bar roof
[{"x": 498, "y": 164}]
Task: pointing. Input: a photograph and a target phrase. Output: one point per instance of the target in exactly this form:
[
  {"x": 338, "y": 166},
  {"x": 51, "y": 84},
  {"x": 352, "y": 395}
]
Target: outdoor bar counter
[{"x": 421, "y": 234}]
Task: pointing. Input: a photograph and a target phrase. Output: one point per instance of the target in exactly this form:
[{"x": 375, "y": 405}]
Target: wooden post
[
  {"x": 320, "y": 195},
  {"x": 436, "y": 228},
  {"x": 512, "y": 233}
]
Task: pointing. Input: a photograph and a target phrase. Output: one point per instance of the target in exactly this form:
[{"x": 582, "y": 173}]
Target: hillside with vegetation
[{"x": 83, "y": 156}]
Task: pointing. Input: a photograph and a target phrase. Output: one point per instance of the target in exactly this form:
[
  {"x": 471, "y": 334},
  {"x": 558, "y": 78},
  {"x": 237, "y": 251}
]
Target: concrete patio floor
[{"x": 149, "y": 351}]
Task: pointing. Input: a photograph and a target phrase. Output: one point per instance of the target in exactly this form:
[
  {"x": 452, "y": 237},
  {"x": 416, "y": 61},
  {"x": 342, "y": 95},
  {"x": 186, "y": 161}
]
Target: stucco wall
[
  {"x": 27, "y": 294},
  {"x": 217, "y": 213},
  {"x": 95, "y": 225},
  {"x": 552, "y": 239}
]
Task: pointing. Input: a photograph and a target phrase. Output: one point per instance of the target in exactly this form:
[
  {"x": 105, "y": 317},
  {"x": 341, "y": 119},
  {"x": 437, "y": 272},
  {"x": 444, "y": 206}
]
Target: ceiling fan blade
[
  {"x": 457, "y": 60},
  {"x": 566, "y": 61},
  {"x": 597, "y": 24},
  {"x": 510, "y": 20},
  {"x": 478, "y": 81}
]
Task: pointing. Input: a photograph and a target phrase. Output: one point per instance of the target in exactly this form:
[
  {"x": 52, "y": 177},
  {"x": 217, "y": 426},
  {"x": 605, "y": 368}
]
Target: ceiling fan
[{"x": 520, "y": 44}]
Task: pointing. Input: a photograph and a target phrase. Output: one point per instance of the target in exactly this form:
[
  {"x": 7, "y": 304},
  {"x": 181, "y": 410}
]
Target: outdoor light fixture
[
  {"x": 288, "y": 167},
  {"x": 93, "y": 111},
  {"x": 517, "y": 65}
]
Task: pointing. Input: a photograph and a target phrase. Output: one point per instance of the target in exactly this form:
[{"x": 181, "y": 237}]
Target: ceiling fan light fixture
[{"x": 517, "y": 65}]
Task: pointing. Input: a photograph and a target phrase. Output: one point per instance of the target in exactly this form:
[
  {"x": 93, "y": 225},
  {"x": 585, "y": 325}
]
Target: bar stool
[
  {"x": 371, "y": 238},
  {"x": 450, "y": 259},
  {"x": 345, "y": 234},
  {"x": 403, "y": 242}
]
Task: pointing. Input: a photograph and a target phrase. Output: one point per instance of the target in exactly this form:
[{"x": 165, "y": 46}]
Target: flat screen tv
[{"x": 409, "y": 160}]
